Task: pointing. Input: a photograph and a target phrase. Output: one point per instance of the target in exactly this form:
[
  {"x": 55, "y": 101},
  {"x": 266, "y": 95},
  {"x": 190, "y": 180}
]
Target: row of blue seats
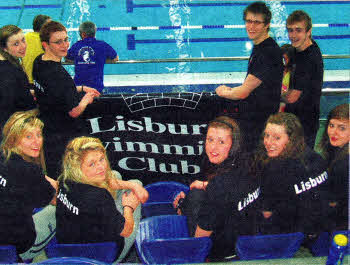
[
  {"x": 163, "y": 238},
  {"x": 151, "y": 238}
]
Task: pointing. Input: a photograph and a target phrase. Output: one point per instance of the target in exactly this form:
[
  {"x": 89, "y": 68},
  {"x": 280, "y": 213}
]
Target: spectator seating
[
  {"x": 72, "y": 260},
  {"x": 268, "y": 246},
  {"x": 161, "y": 197},
  {"x": 164, "y": 239},
  {"x": 8, "y": 254},
  {"x": 105, "y": 252}
]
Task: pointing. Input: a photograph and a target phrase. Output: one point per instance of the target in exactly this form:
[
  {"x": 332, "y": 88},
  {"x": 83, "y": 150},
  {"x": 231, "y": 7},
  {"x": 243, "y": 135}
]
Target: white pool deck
[{"x": 200, "y": 78}]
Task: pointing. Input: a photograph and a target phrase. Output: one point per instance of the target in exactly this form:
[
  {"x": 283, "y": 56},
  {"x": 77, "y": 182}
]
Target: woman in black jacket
[
  {"x": 293, "y": 179},
  {"x": 24, "y": 187},
  {"x": 334, "y": 146},
  {"x": 15, "y": 92}
]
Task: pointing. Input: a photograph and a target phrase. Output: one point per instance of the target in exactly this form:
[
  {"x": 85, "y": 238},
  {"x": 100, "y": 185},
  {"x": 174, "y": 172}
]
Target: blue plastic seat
[
  {"x": 72, "y": 260},
  {"x": 8, "y": 254},
  {"x": 105, "y": 252},
  {"x": 268, "y": 246},
  {"x": 161, "y": 197},
  {"x": 321, "y": 246},
  {"x": 164, "y": 239}
]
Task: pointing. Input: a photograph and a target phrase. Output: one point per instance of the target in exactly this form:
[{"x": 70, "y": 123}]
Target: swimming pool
[
  {"x": 201, "y": 29},
  {"x": 150, "y": 30},
  {"x": 163, "y": 29}
]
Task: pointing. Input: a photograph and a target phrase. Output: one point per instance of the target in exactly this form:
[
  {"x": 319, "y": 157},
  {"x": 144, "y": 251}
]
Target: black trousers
[{"x": 191, "y": 207}]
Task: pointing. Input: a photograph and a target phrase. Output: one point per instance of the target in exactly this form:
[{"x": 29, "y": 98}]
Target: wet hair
[
  {"x": 49, "y": 28},
  {"x": 39, "y": 21},
  {"x": 15, "y": 129},
  {"x": 258, "y": 8},
  {"x": 5, "y": 33},
  {"x": 87, "y": 27},
  {"x": 74, "y": 155},
  {"x": 330, "y": 153},
  {"x": 290, "y": 51},
  {"x": 228, "y": 123},
  {"x": 295, "y": 147},
  {"x": 300, "y": 16}
]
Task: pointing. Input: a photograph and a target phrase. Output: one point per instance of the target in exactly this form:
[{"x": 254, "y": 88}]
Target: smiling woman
[
  {"x": 219, "y": 205},
  {"x": 293, "y": 179},
  {"x": 21, "y": 170},
  {"x": 14, "y": 87}
]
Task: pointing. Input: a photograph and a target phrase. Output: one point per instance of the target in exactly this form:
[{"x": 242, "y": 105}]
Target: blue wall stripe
[
  {"x": 169, "y": 27},
  {"x": 213, "y": 26},
  {"x": 30, "y": 6},
  {"x": 131, "y": 41},
  {"x": 10, "y": 7},
  {"x": 334, "y": 25},
  {"x": 130, "y": 5},
  {"x": 336, "y": 84},
  {"x": 43, "y": 6},
  {"x": 338, "y": 25},
  {"x": 104, "y": 29},
  {"x": 326, "y": 37}
]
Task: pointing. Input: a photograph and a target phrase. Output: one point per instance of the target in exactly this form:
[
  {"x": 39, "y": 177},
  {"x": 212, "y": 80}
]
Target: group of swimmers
[
  {"x": 91, "y": 201},
  {"x": 281, "y": 187}
]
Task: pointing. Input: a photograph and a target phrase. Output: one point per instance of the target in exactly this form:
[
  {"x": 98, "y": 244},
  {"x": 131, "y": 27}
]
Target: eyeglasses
[
  {"x": 254, "y": 22},
  {"x": 297, "y": 30},
  {"x": 59, "y": 42}
]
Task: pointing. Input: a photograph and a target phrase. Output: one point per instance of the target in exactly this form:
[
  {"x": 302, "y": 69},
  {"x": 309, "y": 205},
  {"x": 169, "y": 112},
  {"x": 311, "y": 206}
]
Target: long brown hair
[
  {"x": 5, "y": 33},
  {"x": 211, "y": 170},
  {"x": 295, "y": 147},
  {"x": 330, "y": 153}
]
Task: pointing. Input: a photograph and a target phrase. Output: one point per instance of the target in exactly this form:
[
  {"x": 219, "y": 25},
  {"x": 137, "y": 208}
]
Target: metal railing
[
  {"x": 238, "y": 58},
  {"x": 207, "y": 59}
]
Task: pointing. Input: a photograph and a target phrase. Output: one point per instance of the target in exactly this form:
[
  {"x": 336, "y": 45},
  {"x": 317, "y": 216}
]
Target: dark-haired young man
[
  {"x": 259, "y": 95},
  {"x": 304, "y": 99},
  {"x": 60, "y": 101},
  {"x": 89, "y": 56}
]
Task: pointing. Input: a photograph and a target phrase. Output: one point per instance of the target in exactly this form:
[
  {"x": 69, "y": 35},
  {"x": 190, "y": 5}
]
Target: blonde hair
[
  {"x": 75, "y": 152},
  {"x": 14, "y": 130}
]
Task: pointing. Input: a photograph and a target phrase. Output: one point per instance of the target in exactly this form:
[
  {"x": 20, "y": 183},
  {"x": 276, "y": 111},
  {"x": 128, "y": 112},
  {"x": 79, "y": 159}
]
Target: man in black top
[
  {"x": 304, "y": 99},
  {"x": 259, "y": 95},
  {"x": 60, "y": 101}
]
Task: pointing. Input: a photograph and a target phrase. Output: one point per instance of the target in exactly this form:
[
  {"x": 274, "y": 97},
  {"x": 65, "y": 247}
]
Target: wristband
[
  {"x": 82, "y": 88},
  {"x": 132, "y": 209}
]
